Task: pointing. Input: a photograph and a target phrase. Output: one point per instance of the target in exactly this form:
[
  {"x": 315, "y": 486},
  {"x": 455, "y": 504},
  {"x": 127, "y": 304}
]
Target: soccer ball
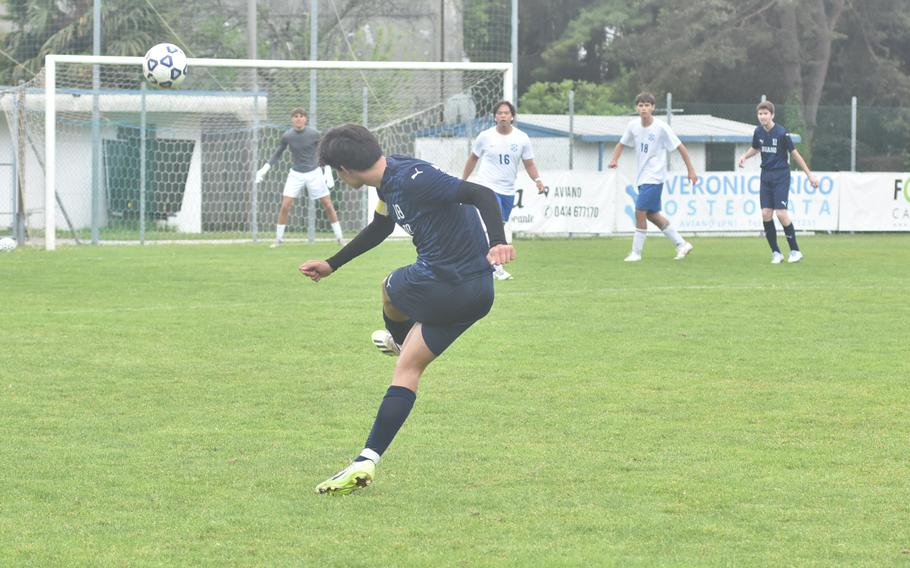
[
  {"x": 165, "y": 65},
  {"x": 7, "y": 244}
]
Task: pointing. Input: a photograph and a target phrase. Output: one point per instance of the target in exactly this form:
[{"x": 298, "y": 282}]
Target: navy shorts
[
  {"x": 444, "y": 309},
  {"x": 649, "y": 197},
  {"x": 775, "y": 189},
  {"x": 506, "y": 202}
]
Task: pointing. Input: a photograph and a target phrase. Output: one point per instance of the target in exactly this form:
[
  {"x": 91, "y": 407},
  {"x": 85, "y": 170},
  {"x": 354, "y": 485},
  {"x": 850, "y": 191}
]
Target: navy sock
[
  {"x": 394, "y": 410},
  {"x": 771, "y": 235},
  {"x": 790, "y": 232},
  {"x": 398, "y": 329}
]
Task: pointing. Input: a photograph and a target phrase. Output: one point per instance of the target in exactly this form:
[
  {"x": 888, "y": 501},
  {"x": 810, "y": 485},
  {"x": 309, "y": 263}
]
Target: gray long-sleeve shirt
[{"x": 303, "y": 149}]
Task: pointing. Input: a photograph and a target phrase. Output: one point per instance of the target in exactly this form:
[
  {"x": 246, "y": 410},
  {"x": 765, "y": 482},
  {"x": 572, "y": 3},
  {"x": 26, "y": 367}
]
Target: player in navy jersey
[
  {"x": 774, "y": 144},
  {"x": 427, "y": 304}
]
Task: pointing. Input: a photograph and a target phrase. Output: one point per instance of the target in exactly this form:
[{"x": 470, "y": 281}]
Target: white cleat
[
  {"x": 275, "y": 245},
  {"x": 777, "y": 258},
  {"x": 500, "y": 273},
  {"x": 383, "y": 341},
  {"x": 633, "y": 257},
  {"x": 795, "y": 256},
  {"x": 341, "y": 241},
  {"x": 683, "y": 250}
]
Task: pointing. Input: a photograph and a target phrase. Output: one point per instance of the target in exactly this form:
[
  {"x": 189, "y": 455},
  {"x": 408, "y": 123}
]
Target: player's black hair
[
  {"x": 349, "y": 146},
  {"x": 508, "y": 104},
  {"x": 645, "y": 97}
]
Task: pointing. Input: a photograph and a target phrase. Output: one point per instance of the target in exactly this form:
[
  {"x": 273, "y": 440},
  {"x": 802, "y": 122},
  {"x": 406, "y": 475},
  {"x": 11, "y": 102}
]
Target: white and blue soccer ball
[
  {"x": 165, "y": 65},
  {"x": 7, "y": 244}
]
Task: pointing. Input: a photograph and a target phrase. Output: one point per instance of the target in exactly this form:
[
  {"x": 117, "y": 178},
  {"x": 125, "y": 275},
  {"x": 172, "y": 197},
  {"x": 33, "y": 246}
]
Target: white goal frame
[{"x": 50, "y": 87}]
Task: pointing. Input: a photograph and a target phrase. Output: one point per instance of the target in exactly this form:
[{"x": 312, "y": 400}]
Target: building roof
[{"x": 595, "y": 128}]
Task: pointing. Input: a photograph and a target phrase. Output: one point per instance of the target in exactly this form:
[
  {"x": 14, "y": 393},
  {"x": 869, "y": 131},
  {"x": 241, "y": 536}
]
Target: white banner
[
  {"x": 876, "y": 202},
  {"x": 604, "y": 203},
  {"x": 574, "y": 202},
  {"x": 730, "y": 202}
]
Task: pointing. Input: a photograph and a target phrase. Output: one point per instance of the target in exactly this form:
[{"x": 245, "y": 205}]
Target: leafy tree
[
  {"x": 553, "y": 98},
  {"x": 541, "y": 24},
  {"x": 583, "y": 50},
  {"x": 799, "y": 53},
  {"x": 48, "y": 26}
]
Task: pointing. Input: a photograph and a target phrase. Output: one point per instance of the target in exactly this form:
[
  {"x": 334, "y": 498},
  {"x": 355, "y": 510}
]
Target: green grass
[{"x": 176, "y": 405}]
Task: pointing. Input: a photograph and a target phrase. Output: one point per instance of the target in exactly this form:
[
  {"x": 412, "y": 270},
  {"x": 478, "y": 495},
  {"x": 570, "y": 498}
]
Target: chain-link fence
[{"x": 879, "y": 141}]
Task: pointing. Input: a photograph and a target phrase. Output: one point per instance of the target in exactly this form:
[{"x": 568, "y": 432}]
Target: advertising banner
[
  {"x": 728, "y": 201},
  {"x": 876, "y": 202},
  {"x": 574, "y": 202},
  {"x": 604, "y": 203}
]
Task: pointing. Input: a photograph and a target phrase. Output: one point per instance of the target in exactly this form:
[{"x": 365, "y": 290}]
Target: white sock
[
  {"x": 336, "y": 227},
  {"x": 370, "y": 455},
  {"x": 508, "y": 229},
  {"x": 279, "y": 232},
  {"x": 671, "y": 234},
  {"x": 497, "y": 268},
  {"x": 638, "y": 241}
]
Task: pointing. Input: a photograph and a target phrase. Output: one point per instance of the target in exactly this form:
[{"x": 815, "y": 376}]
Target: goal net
[{"x": 109, "y": 158}]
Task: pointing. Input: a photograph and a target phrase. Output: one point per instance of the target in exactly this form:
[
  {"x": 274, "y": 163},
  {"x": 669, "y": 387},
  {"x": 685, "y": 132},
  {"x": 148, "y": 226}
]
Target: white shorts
[{"x": 313, "y": 180}]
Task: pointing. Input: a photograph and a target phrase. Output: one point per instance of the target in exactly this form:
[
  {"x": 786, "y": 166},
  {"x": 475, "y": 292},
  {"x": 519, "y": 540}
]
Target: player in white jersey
[
  {"x": 499, "y": 149},
  {"x": 652, "y": 140}
]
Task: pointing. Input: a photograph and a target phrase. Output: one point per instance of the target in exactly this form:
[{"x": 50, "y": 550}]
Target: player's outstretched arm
[
  {"x": 379, "y": 228},
  {"x": 315, "y": 270},
  {"x": 531, "y": 168},
  {"x": 470, "y": 165},
  {"x": 749, "y": 153},
  {"x": 617, "y": 152},
  {"x": 260, "y": 175},
  {"x": 486, "y": 203},
  {"x": 684, "y": 152},
  {"x": 798, "y": 158}
]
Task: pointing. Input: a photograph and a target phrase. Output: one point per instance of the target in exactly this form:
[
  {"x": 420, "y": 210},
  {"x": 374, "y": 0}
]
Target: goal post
[{"x": 208, "y": 137}]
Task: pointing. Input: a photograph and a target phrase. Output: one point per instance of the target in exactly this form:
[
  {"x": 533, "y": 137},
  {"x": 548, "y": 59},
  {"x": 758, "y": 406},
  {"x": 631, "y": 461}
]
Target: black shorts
[
  {"x": 444, "y": 309},
  {"x": 775, "y": 189}
]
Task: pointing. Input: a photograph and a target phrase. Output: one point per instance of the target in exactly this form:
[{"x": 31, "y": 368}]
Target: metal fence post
[
  {"x": 853, "y": 134},
  {"x": 143, "y": 118},
  {"x": 571, "y": 128}
]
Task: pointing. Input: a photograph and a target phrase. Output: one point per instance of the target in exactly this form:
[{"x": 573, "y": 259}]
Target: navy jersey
[
  {"x": 421, "y": 198},
  {"x": 775, "y": 146}
]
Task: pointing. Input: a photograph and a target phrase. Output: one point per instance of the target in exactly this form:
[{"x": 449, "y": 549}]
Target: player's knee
[{"x": 389, "y": 309}]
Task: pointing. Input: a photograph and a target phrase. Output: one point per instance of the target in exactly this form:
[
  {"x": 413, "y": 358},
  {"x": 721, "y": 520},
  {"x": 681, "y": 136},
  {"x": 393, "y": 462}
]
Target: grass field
[{"x": 176, "y": 405}]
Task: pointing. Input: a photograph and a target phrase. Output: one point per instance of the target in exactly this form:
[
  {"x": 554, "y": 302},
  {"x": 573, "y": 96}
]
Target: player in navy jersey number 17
[
  {"x": 774, "y": 144},
  {"x": 427, "y": 304}
]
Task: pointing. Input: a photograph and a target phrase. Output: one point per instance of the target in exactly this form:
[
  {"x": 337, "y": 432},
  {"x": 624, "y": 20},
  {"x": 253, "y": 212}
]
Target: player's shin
[
  {"x": 394, "y": 410},
  {"x": 670, "y": 232},
  {"x": 771, "y": 235},
  {"x": 398, "y": 329},
  {"x": 638, "y": 240},
  {"x": 790, "y": 233}
]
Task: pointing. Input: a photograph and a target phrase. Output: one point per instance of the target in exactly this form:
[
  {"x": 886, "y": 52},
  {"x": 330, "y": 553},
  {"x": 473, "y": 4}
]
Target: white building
[{"x": 714, "y": 143}]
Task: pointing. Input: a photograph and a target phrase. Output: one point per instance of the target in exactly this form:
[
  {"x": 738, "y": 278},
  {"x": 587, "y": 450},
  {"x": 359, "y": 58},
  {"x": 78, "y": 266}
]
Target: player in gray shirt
[{"x": 305, "y": 172}]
